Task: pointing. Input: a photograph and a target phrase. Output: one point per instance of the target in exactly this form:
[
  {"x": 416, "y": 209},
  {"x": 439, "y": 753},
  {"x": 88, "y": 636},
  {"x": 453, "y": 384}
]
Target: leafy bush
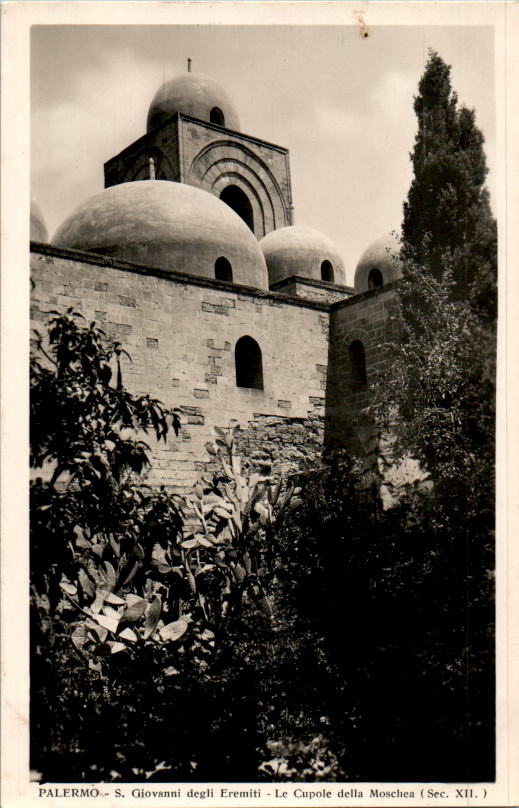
[{"x": 143, "y": 602}]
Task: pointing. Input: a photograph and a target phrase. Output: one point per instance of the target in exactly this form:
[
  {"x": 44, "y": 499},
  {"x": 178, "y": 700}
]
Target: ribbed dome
[
  {"x": 194, "y": 95},
  {"x": 165, "y": 224},
  {"x": 38, "y": 228},
  {"x": 301, "y": 251},
  {"x": 382, "y": 257}
]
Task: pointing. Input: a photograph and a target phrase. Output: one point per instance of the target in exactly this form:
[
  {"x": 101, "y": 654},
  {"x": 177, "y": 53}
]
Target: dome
[
  {"x": 38, "y": 229},
  {"x": 301, "y": 251},
  {"x": 378, "y": 264},
  {"x": 168, "y": 225},
  {"x": 194, "y": 95}
]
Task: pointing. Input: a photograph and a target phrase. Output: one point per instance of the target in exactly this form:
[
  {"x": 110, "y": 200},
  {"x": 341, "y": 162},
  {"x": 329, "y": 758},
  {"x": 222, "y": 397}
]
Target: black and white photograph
[{"x": 270, "y": 293}]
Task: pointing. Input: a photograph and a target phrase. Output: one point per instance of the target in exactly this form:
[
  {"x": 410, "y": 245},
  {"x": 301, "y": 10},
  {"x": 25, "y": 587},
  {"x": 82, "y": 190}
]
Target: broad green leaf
[
  {"x": 70, "y": 589},
  {"x": 115, "y": 599},
  {"x": 98, "y": 634},
  {"x": 116, "y": 647},
  {"x": 135, "y": 611},
  {"x": 83, "y": 543},
  {"x": 109, "y": 623},
  {"x": 204, "y": 568},
  {"x": 79, "y": 636},
  {"x": 191, "y": 581},
  {"x": 131, "y": 574},
  {"x": 131, "y": 599},
  {"x": 158, "y": 554},
  {"x": 203, "y": 541},
  {"x": 110, "y": 612},
  {"x": 152, "y": 613},
  {"x": 237, "y": 519},
  {"x": 173, "y": 631},
  {"x": 97, "y": 605},
  {"x": 164, "y": 568},
  {"x": 128, "y": 634},
  {"x": 222, "y": 513},
  {"x": 110, "y": 574},
  {"x": 86, "y": 584}
]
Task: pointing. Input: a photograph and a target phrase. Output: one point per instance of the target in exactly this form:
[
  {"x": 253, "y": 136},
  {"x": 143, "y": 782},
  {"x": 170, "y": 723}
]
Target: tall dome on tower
[
  {"x": 195, "y": 95},
  {"x": 167, "y": 225}
]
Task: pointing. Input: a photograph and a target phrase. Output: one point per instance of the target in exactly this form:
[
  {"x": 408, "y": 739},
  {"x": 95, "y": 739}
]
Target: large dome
[
  {"x": 378, "y": 264},
  {"x": 169, "y": 225},
  {"x": 38, "y": 229},
  {"x": 301, "y": 251},
  {"x": 194, "y": 95}
]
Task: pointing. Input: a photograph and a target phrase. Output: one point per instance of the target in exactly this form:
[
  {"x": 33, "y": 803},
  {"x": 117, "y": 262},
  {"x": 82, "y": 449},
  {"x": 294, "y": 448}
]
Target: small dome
[
  {"x": 38, "y": 229},
  {"x": 378, "y": 265},
  {"x": 169, "y": 225},
  {"x": 301, "y": 251},
  {"x": 194, "y": 95}
]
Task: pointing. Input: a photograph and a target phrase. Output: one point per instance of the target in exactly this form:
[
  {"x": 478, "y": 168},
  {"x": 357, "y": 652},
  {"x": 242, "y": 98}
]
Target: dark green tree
[
  {"x": 447, "y": 213},
  {"x": 436, "y": 405}
]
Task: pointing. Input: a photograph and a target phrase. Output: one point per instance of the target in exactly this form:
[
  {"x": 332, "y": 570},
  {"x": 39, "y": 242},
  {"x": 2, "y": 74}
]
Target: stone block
[{"x": 124, "y": 300}]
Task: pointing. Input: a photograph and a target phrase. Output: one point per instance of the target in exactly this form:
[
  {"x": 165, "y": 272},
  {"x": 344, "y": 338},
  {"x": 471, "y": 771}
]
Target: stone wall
[
  {"x": 180, "y": 332},
  {"x": 311, "y": 289},
  {"x": 369, "y": 319}
]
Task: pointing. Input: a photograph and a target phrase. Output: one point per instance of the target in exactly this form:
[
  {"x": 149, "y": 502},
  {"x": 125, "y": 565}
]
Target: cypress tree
[{"x": 447, "y": 216}]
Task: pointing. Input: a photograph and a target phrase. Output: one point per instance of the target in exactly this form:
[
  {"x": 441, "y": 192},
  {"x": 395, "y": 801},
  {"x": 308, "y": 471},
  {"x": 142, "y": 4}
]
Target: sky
[{"x": 341, "y": 103}]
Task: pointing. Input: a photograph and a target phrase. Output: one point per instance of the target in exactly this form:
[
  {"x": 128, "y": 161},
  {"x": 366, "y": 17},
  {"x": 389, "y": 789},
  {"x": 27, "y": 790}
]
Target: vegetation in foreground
[{"x": 290, "y": 630}]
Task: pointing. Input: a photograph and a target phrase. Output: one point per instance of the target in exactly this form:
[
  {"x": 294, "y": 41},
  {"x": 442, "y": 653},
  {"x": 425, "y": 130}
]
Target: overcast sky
[{"x": 341, "y": 104}]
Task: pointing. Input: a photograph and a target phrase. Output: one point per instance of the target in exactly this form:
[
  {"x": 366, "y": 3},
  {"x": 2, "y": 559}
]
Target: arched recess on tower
[
  {"x": 238, "y": 200},
  {"x": 226, "y": 163}
]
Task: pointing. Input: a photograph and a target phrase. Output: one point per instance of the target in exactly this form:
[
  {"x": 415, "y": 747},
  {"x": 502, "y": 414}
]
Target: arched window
[
  {"x": 326, "y": 271},
  {"x": 249, "y": 367},
  {"x": 239, "y": 202},
  {"x": 357, "y": 364},
  {"x": 216, "y": 116},
  {"x": 222, "y": 269},
  {"x": 375, "y": 279}
]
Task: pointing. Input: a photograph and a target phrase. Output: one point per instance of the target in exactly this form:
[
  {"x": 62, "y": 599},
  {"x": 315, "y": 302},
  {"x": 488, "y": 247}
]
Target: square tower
[{"x": 190, "y": 140}]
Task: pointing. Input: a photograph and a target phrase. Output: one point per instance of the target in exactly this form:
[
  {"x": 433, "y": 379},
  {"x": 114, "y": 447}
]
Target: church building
[{"x": 190, "y": 258}]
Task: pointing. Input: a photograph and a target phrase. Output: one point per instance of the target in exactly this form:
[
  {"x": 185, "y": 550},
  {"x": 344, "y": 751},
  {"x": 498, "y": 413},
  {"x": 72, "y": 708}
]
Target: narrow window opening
[
  {"x": 222, "y": 269},
  {"x": 239, "y": 202},
  {"x": 357, "y": 364},
  {"x": 216, "y": 116},
  {"x": 249, "y": 366},
  {"x": 327, "y": 271},
  {"x": 375, "y": 279}
]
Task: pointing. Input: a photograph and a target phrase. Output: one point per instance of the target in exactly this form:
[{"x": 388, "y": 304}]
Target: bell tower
[{"x": 193, "y": 136}]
